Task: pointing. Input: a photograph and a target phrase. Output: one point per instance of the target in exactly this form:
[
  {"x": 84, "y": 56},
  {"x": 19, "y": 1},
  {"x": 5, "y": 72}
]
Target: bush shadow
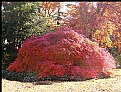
[{"x": 23, "y": 77}]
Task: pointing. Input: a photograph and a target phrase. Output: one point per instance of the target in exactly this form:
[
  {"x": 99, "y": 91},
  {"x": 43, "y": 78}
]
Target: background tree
[
  {"x": 82, "y": 17},
  {"x": 20, "y": 20},
  {"x": 88, "y": 17},
  {"x": 52, "y": 12}
]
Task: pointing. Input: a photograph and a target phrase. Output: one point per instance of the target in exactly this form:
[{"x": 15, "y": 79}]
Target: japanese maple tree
[{"x": 64, "y": 52}]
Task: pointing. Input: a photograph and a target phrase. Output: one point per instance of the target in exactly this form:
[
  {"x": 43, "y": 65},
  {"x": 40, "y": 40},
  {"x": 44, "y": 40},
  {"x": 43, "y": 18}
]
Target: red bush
[{"x": 61, "y": 53}]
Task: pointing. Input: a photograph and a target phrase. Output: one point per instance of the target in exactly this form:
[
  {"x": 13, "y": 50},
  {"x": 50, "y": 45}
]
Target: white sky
[{"x": 64, "y": 8}]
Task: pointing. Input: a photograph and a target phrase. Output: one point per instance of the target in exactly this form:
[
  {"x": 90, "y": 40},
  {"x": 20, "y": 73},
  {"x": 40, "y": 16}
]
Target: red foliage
[{"x": 61, "y": 53}]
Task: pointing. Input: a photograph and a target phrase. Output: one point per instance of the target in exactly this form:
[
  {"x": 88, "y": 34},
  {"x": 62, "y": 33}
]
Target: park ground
[{"x": 112, "y": 84}]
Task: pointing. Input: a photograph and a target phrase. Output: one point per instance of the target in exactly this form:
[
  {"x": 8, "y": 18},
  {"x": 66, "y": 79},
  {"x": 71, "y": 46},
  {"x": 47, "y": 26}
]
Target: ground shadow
[
  {"x": 50, "y": 82},
  {"x": 22, "y": 77}
]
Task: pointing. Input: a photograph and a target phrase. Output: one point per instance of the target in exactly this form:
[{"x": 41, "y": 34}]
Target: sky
[{"x": 64, "y": 8}]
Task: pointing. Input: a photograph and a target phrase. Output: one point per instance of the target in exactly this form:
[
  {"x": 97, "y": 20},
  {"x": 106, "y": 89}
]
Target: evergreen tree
[{"x": 20, "y": 21}]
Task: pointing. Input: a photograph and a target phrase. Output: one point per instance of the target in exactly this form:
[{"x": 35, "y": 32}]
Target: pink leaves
[{"x": 61, "y": 53}]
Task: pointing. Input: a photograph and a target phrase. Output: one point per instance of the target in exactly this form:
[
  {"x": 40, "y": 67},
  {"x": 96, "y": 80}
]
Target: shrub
[{"x": 63, "y": 53}]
